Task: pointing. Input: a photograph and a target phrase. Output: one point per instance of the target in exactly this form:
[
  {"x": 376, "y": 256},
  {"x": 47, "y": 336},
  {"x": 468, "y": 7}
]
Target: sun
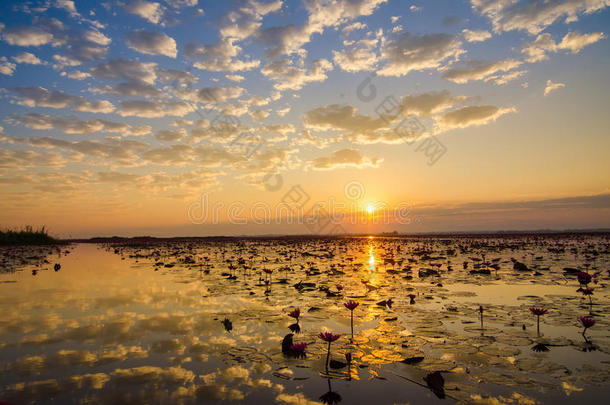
[{"x": 370, "y": 208}]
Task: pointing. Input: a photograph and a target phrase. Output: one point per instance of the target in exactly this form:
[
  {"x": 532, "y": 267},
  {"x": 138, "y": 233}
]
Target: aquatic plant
[
  {"x": 351, "y": 305},
  {"x": 298, "y": 349},
  {"x": 26, "y": 236},
  {"x": 328, "y": 337},
  {"x": 538, "y": 312},
  {"x": 586, "y": 322},
  {"x": 295, "y": 313}
]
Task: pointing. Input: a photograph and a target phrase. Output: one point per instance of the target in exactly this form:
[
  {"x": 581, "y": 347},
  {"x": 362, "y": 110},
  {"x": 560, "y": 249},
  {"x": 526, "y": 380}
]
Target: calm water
[{"x": 144, "y": 323}]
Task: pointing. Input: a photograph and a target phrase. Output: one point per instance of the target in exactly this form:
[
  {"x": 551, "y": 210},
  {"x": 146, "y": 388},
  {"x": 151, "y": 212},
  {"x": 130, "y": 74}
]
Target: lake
[{"x": 437, "y": 320}]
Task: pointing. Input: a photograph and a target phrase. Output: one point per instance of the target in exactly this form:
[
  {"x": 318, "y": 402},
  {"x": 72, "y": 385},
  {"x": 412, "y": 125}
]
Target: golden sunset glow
[{"x": 120, "y": 119}]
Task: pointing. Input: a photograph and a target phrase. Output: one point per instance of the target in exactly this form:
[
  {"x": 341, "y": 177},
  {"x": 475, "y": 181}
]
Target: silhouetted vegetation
[{"x": 26, "y": 236}]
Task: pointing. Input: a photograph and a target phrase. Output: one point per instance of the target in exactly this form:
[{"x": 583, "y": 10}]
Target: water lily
[
  {"x": 295, "y": 313},
  {"x": 328, "y": 337},
  {"x": 351, "y": 305},
  {"x": 298, "y": 349},
  {"x": 538, "y": 312},
  {"x": 587, "y": 322}
]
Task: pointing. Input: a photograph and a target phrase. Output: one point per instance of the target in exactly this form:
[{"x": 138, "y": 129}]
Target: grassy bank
[{"x": 26, "y": 236}]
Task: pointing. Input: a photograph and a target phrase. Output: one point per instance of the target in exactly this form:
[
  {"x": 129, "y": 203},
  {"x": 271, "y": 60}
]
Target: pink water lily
[
  {"x": 328, "y": 337},
  {"x": 351, "y": 305}
]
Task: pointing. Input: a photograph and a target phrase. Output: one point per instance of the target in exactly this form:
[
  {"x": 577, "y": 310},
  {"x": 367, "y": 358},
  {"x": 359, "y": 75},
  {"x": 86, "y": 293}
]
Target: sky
[{"x": 193, "y": 117}]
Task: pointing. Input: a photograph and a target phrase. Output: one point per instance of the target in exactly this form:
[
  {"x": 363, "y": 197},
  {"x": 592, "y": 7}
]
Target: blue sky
[{"x": 117, "y": 111}]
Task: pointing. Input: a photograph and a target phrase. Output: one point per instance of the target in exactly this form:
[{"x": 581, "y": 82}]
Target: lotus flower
[
  {"x": 295, "y": 313},
  {"x": 298, "y": 349},
  {"x": 538, "y": 312},
  {"x": 351, "y": 305},
  {"x": 587, "y": 322},
  {"x": 328, "y": 337}
]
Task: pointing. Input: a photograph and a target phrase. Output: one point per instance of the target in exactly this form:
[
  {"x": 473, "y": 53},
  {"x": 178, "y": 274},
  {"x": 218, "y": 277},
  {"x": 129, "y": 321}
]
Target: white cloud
[
  {"x": 171, "y": 135},
  {"x": 357, "y": 56},
  {"x": 218, "y": 57},
  {"x": 149, "y": 10},
  {"x": 243, "y": 21},
  {"x": 480, "y": 70},
  {"x": 288, "y": 39},
  {"x": 289, "y": 77},
  {"x": 6, "y": 67},
  {"x": 235, "y": 78},
  {"x": 353, "y": 27},
  {"x": 149, "y": 109},
  {"x": 126, "y": 69},
  {"x": 550, "y": 86},
  {"x": 75, "y": 126},
  {"x": 152, "y": 43},
  {"x": 574, "y": 42},
  {"x": 76, "y": 75},
  {"x": 410, "y": 52},
  {"x": 41, "y": 97},
  {"x": 471, "y": 116},
  {"x": 476, "y": 36},
  {"x": 534, "y": 15},
  {"x": 26, "y": 36},
  {"x": 344, "y": 158},
  {"x": 27, "y": 58}
]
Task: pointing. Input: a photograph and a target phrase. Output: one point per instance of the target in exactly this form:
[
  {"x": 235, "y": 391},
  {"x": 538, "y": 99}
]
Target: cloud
[
  {"x": 357, "y": 56},
  {"x": 426, "y": 104},
  {"x": 475, "y": 36},
  {"x": 26, "y": 36},
  {"x": 471, "y": 116},
  {"x": 152, "y": 43},
  {"x": 203, "y": 156},
  {"x": 235, "y": 78},
  {"x": 219, "y": 57},
  {"x": 243, "y": 21},
  {"x": 75, "y": 126},
  {"x": 76, "y": 75},
  {"x": 6, "y": 67},
  {"x": 120, "y": 151},
  {"x": 550, "y": 86},
  {"x": 177, "y": 76},
  {"x": 573, "y": 41},
  {"x": 409, "y": 52},
  {"x": 21, "y": 159},
  {"x": 213, "y": 95},
  {"x": 289, "y": 77},
  {"x": 149, "y": 10},
  {"x": 171, "y": 135},
  {"x": 133, "y": 89},
  {"x": 480, "y": 70},
  {"x": 344, "y": 158},
  {"x": 534, "y": 16},
  {"x": 150, "y": 109},
  {"x": 27, "y": 58},
  {"x": 390, "y": 127},
  {"x": 220, "y": 132},
  {"x": 353, "y": 27},
  {"x": 288, "y": 39},
  {"x": 41, "y": 97},
  {"x": 126, "y": 69}
]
